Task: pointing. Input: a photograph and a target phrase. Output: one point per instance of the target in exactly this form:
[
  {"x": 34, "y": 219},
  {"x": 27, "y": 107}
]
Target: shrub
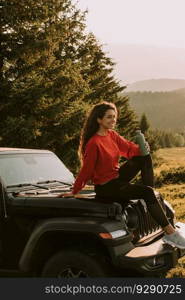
[{"x": 171, "y": 176}]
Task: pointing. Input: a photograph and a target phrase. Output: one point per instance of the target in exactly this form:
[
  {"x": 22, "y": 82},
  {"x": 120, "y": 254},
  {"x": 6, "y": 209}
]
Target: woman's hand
[{"x": 70, "y": 194}]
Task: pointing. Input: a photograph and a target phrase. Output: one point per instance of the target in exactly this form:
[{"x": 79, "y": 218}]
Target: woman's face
[{"x": 109, "y": 119}]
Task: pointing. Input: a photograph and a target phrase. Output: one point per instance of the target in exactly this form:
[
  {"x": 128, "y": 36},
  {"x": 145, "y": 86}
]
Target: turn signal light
[{"x": 105, "y": 235}]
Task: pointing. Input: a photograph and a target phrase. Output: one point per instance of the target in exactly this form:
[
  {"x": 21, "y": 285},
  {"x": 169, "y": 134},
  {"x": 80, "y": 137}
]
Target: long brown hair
[{"x": 91, "y": 125}]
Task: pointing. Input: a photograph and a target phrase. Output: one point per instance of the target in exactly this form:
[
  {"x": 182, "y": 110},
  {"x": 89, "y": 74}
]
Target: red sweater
[{"x": 101, "y": 157}]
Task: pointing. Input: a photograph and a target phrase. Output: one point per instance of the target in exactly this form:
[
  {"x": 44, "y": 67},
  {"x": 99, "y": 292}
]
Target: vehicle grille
[{"x": 139, "y": 220}]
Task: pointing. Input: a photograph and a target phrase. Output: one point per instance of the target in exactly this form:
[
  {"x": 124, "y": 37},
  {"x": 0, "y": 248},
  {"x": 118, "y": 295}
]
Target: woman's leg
[
  {"x": 135, "y": 191},
  {"x": 120, "y": 192},
  {"x": 147, "y": 173},
  {"x": 132, "y": 167},
  {"x": 109, "y": 192}
]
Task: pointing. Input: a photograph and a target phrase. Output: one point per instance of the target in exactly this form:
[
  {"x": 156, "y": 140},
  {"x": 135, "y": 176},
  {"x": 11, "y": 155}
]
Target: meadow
[
  {"x": 168, "y": 158},
  {"x": 169, "y": 169}
]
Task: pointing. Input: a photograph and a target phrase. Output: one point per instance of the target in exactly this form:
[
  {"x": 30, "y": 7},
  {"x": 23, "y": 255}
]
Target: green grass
[
  {"x": 172, "y": 159},
  {"x": 169, "y": 158}
]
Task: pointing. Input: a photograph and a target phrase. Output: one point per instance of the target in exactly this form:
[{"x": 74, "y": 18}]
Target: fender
[{"x": 72, "y": 225}]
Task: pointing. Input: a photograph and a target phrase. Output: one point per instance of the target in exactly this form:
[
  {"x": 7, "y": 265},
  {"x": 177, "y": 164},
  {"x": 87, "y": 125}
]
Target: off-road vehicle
[{"x": 42, "y": 235}]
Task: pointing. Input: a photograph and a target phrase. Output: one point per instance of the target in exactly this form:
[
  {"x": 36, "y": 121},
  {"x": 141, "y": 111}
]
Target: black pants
[{"x": 121, "y": 190}]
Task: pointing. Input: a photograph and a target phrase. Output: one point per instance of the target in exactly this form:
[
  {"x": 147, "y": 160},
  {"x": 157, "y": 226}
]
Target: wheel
[{"x": 74, "y": 264}]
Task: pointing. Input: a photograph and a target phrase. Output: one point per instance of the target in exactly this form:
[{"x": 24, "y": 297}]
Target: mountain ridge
[{"x": 156, "y": 85}]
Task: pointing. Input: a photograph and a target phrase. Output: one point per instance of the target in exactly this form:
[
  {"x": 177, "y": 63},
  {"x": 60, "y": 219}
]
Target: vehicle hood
[{"x": 53, "y": 206}]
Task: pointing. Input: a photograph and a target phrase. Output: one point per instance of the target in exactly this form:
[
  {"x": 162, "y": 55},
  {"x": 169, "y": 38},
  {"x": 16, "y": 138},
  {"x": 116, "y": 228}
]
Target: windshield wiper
[
  {"x": 28, "y": 184},
  {"x": 52, "y": 181}
]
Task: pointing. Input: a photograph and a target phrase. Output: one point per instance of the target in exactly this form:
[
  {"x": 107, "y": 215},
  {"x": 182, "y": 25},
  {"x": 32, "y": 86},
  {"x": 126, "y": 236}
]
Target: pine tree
[
  {"x": 168, "y": 140},
  {"x": 144, "y": 124},
  {"x": 52, "y": 72},
  {"x": 39, "y": 67}
]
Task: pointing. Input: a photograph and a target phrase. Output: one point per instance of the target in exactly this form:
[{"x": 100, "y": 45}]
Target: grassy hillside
[{"x": 168, "y": 160}]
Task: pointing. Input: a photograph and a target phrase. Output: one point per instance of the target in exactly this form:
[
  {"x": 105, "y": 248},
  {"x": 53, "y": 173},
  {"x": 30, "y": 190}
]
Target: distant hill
[
  {"x": 156, "y": 85},
  {"x": 164, "y": 110}
]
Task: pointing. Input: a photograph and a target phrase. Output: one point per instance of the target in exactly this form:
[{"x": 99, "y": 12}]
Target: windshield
[{"x": 33, "y": 168}]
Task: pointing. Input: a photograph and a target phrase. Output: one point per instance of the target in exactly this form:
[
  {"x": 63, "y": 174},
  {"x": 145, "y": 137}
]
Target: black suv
[{"x": 42, "y": 235}]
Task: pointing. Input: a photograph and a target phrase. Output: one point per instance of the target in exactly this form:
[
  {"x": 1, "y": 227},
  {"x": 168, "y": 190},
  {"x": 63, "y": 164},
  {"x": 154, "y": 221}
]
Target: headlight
[{"x": 113, "y": 235}]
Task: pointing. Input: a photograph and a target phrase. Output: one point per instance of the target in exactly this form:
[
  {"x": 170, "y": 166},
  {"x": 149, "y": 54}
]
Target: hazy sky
[
  {"x": 149, "y": 22},
  {"x": 144, "y": 37}
]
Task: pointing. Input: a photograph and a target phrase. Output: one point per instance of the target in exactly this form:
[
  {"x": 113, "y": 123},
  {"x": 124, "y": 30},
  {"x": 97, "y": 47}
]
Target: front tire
[{"x": 74, "y": 264}]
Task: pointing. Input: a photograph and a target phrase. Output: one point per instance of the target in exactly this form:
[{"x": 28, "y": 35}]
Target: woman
[{"x": 100, "y": 150}]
